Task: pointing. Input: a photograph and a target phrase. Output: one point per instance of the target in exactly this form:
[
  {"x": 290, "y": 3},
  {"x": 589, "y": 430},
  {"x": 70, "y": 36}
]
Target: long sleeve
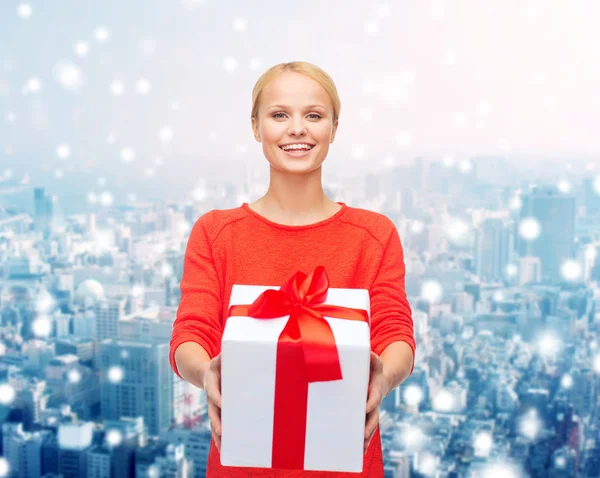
[
  {"x": 391, "y": 315},
  {"x": 199, "y": 311}
]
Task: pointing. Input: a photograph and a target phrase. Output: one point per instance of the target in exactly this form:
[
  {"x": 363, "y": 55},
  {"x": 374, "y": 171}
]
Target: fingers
[
  {"x": 214, "y": 415},
  {"x": 212, "y": 386},
  {"x": 216, "y": 362},
  {"x": 371, "y": 423},
  {"x": 370, "y": 427},
  {"x": 216, "y": 437},
  {"x": 372, "y": 363},
  {"x": 375, "y": 395},
  {"x": 371, "y": 400},
  {"x": 213, "y": 399},
  {"x": 214, "y": 371}
]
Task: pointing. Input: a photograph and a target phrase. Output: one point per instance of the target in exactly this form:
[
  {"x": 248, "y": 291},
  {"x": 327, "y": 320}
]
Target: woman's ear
[
  {"x": 333, "y": 131},
  {"x": 255, "y": 129}
]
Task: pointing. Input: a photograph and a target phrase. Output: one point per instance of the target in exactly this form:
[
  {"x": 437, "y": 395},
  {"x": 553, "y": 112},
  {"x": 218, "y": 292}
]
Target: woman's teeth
[{"x": 296, "y": 148}]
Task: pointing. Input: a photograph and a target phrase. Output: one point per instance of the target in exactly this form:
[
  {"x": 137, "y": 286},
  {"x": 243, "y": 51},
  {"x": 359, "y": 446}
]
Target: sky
[{"x": 153, "y": 89}]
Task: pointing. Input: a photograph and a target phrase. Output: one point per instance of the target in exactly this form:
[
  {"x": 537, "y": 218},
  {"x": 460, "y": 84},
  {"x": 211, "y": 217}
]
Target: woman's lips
[{"x": 297, "y": 153}]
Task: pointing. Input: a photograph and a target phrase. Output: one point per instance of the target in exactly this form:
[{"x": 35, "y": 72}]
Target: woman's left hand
[{"x": 377, "y": 391}]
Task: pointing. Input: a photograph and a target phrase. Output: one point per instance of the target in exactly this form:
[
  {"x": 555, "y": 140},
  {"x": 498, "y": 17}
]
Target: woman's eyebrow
[{"x": 286, "y": 106}]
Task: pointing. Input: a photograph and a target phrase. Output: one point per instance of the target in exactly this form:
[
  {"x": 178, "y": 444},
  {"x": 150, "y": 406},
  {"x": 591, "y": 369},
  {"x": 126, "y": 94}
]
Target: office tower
[
  {"x": 137, "y": 380},
  {"x": 34, "y": 397},
  {"x": 530, "y": 270},
  {"x": 49, "y": 453},
  {"x": 163, "y": 459},
  {"x": 90, "y": 226},
  {"x": 133, "y": 434},
  {"x": 492, "y": 249},
  {"x": 39, "y": 354},
  {"x": 583, "y": 392},
  {"x": 196, "y": 449},
  {"x": 98, "y": 460},
  {"x": 22, "y": 450},
  {"x": 437, "y": 239},
  {"x": 43, "y": 210},
  {"x": 398, "y": 462},
  {"x": 555, "y": 214},
  {"x": 591, "y": 196},
  {"x": 74, "y": 440},
  {"x": 84, "y": 324},
  {"x": 83, "y": 348},
  {"x": 108, "y": 313},
  {"x": 462, "y": 303}
]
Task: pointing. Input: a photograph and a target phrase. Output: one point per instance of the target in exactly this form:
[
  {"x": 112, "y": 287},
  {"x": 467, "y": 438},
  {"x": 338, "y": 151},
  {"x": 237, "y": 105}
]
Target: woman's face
[{"x": 294, "y": 109}]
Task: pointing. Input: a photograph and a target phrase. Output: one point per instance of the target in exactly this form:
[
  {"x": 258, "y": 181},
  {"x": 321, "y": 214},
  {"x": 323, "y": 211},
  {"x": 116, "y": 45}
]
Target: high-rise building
[
  {"x": 108, "y": 313},
  {"x": 125, "y": 435},
  {"x": 583, "y": 392},
  {"x": 163, "y": 459},
  {"x": 591, "y": 196},
  {"x": 492, "y": 249},
  {"x": 137, "y": 380},
  {"x": 98, "y": 460},
  {"x": 554, "y": 213},
  {"x": 74, "y": 440},
  {"x": 530, "y": 270},
  {"x": 22, "y": 450},
  {"x": 196, "y": 449},
  {"x": 43, "y": 210}
]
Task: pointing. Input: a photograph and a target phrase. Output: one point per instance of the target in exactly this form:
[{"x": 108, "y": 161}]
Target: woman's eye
[{"x": 276, "y": 115}]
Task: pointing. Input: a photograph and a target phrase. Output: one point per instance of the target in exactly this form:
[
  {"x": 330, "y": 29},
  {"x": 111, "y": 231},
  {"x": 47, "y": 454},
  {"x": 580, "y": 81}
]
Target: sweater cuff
[
  {"x": 186, "y": 338},
  {"x": 379, "y": 348}
]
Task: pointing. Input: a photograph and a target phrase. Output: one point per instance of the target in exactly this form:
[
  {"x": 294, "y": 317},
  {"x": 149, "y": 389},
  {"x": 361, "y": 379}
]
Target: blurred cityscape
[{"x": 502, "y": 277}]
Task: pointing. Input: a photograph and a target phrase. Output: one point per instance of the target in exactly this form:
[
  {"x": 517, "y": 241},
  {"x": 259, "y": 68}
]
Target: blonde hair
[{"x": 304, "y": 68}]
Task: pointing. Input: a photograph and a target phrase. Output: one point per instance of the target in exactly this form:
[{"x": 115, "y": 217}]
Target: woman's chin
[{"x": 294, "y": 168}]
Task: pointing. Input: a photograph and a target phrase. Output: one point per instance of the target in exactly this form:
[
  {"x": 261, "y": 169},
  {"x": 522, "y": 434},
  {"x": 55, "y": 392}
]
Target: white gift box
[{"x": 336, "y": 410}]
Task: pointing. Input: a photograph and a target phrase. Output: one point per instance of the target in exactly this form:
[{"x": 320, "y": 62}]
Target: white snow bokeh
[{"x": 68, "y": 75}]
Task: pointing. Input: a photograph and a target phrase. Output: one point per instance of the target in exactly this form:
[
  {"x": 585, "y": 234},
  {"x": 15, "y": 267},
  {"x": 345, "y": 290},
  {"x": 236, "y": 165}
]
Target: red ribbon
[{"x": 306, "y": 352}]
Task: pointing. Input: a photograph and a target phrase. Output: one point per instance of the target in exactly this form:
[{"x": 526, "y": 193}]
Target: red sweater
[{"x": 359, "y": 249}]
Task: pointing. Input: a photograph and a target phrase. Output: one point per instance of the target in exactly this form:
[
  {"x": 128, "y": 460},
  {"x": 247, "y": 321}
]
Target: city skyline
[{"x": 467, "y": 130}]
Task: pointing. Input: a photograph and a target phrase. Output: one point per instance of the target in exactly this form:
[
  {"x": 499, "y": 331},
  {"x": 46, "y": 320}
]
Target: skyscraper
[
  {"x": 492, "y": 249},
  {"x": 43, "y": 210},
  {"x": 137, "y": 381},
  {"x": 591, "y": 197},
  {"x": 554, "y": 212}
]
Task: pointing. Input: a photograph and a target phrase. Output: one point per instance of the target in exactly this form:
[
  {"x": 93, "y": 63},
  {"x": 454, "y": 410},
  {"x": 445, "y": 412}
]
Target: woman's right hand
[{"x": 212, "y": 387}]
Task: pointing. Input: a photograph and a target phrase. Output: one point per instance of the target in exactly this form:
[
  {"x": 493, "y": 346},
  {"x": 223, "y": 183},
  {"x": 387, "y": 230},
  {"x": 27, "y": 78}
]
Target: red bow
[{"x": 306, "y": 352}]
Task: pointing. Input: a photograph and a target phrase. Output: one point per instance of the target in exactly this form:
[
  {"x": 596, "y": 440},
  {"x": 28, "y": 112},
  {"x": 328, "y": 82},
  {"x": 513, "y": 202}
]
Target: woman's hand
[
  {"x": 212, "y": 387},
  {"x": 377, "y": 391}
]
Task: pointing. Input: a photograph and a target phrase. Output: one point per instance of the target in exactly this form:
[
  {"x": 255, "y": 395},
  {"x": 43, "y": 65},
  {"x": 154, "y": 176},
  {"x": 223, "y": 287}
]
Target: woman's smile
[{"x": 297, "y": 152}]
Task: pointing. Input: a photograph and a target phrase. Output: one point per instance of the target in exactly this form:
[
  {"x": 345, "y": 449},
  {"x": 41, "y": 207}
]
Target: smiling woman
[
  {"x": 295, "y": 112},
  {"x": 295, "y": 109},
  {"x": 293, "y": 227}
]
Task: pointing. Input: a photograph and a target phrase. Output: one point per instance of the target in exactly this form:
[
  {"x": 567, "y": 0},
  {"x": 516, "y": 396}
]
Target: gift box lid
[{"x": 246, "y": 294}]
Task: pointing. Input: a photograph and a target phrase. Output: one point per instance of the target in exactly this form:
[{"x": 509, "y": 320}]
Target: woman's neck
[{"x": 307, "y": 213}]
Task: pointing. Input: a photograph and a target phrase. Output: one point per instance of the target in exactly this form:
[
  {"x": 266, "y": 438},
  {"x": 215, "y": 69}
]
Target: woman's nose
[{"x": 297, "y": 129}]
